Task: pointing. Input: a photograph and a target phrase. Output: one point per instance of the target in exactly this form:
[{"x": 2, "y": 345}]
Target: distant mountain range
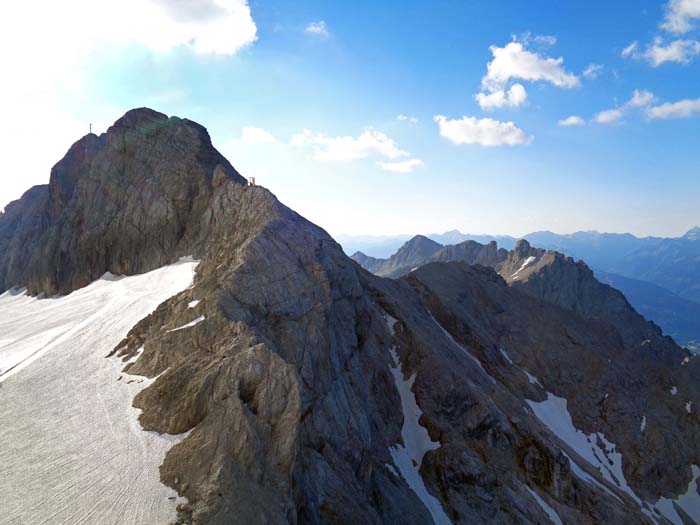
[{"x": 659, "y": 276}]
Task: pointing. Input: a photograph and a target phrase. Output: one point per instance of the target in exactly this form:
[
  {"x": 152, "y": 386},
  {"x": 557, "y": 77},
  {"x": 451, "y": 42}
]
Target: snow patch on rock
[
  {"x": 533, "y": 380},
  {"x": 416, "y": 440},
  {"x": 527, "y": 262},
  {"x": 551, "y": 513},
  {"x": 506, "y": 356},
  {"x": 189, "y": 325},
  {"x": 594, "y": 448},
  {"x": 607, "y": 460},
  {"x": 689, "y": 502}
]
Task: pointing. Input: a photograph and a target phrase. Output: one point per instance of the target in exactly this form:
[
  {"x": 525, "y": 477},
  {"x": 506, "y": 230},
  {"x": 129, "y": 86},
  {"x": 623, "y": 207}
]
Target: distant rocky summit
[{"x": 480, "y": 386}]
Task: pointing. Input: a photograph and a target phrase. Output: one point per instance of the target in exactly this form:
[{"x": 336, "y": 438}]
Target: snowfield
[{"x": 72, "y": 448}]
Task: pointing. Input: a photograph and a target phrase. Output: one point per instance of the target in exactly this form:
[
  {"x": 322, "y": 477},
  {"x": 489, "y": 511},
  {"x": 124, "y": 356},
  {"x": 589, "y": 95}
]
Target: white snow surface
[
  {"x": 688, "y": 406},
  {"x": 643, "y": 426},
  {"x": 551, "y": 513},
  {"x": 674, "y": 391},
  {"x": 527, "y": 262},
  {"x": 192, "y": 304},
  {"x": 72, "y": 449},
  {"x": 416, "y": 440}
]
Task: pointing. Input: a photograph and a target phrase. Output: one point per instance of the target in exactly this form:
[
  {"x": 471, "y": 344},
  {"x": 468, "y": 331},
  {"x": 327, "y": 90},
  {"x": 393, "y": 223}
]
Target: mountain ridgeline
[
  {"x": 469, "y": 389},
  {"x": 677, "y": 315}
]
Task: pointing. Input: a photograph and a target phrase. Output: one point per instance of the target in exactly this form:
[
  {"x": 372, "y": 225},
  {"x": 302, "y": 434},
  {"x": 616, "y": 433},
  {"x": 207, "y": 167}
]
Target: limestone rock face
[
  {"x": 471, "y": 252},
  {"x": 560, "y": 280},
  {"x": 420, "y": 250},
  {"x": 127, "y": 201},
  {"x": 290, "y": 367}
]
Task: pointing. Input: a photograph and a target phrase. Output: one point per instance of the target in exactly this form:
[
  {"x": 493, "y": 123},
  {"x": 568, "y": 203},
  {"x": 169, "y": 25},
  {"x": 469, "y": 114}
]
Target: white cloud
[
  {"x": 513, "y": 61},
  {"x": 514, "y": 97},
  {"x": 547, "y": 40},
  {"x": 630, "y": 50},
  {"x": 51, "y": 48},
  {"x": 252, "y": 135},
  {"x": 404, "y": 166},
  {"x": 639, "y": 99},
  {"x": 210, "y": 26},
  {"x": 678, "y": 51},
  {"x": 317, "y": 28},
  {"x": 573, "y": 120},
  {"x": 681, "y": 109},
  {"x": 609, "y": 116},
  {"x": 346, "y": 148},
  {"x": 680, "y": 15},
  {"x": 592, "y": 71},
  {"x": 406, "y": 118},
  {"x": 484, "y": 132}
]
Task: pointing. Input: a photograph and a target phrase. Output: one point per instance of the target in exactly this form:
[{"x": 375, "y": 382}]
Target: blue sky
[{"x": 258, "y": 75}]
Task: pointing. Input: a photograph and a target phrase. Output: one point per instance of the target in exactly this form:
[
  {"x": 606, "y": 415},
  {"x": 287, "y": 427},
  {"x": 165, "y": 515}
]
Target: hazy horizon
[{"x": 503, "y": 119}]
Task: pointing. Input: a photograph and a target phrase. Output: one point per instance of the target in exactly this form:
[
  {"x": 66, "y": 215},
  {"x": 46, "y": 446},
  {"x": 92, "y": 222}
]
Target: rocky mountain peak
[
  {"x": 421, "y": 241},
  {"x": 693, "y": 234},
  {"x": 140, "y": 117},
  {"x": 127, "y": 201},
  {"x": 522, "y": 248}
]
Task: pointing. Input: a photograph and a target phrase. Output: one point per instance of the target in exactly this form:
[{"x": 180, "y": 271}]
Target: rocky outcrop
[
  {"x": 312, "y": 391},
  {"x": 560, "y": 280},
  {"x": 471, "y": 252},
  {"x": 369, "y": 263},
  {"x": 420, "y": 250},
  {"x": 128, "y": 201}
]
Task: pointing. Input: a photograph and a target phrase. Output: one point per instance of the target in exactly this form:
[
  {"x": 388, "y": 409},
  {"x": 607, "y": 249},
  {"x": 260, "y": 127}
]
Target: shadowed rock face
[
  {"x": 128, "y": 201},
  {"x": 560, "y": 280},
  {"x": 285, "y": 383},
  {"x": 420, "y": 250}
]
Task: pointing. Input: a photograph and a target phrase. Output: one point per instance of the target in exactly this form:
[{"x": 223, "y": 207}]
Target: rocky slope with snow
[{"x": 304, "y": 389}]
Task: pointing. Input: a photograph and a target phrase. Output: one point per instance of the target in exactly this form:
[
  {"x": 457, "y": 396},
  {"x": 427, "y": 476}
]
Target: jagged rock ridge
[{"x": 287, "y": 380}]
